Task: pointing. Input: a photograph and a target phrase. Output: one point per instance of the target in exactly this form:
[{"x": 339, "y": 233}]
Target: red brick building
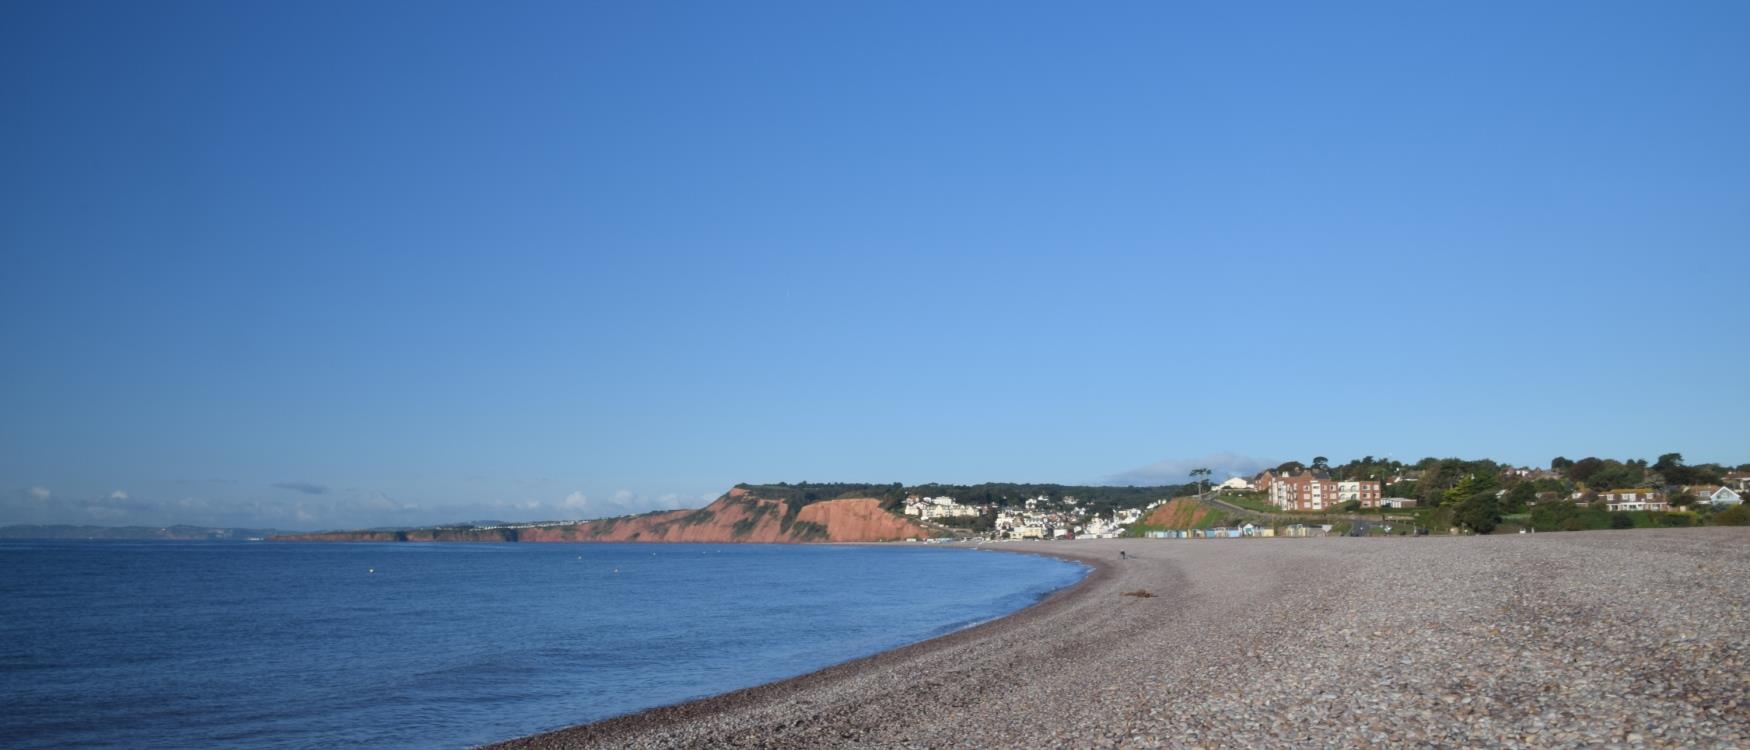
[{"x": 1315, "y": 491}]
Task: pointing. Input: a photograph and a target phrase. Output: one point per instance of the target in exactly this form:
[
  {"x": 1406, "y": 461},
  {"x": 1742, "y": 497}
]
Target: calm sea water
[{"x": 198, "y": 644}]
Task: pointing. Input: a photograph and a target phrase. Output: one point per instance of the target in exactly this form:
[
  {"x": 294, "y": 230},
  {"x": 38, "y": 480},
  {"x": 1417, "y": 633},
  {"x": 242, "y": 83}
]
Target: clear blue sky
[{"x": 325, "y": 264}]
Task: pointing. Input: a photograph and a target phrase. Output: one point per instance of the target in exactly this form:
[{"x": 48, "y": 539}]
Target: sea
[{"x": 305, "y": 645}]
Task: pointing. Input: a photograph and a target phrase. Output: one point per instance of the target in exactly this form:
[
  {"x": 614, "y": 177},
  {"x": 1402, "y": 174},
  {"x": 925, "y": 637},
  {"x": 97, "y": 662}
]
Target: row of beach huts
[{"x": 1298, "y": 530}]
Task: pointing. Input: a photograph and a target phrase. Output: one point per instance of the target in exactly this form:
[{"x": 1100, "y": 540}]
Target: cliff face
[
  {"x": 1179, "y": 513},
  {"x": 735, "y": 517}
]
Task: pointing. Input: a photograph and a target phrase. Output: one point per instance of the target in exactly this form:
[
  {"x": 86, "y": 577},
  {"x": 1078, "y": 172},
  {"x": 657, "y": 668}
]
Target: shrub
[
  {"x": 1737, "y": 515},
  {"x": 1675, "y": 519},
  {"x": 1621, "y": 520}
]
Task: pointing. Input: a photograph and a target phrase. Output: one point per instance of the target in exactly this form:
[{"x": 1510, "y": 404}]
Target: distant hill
[{"x": 187, "y": 533}]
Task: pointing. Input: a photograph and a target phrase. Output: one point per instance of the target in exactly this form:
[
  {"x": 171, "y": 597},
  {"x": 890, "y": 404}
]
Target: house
[
  {"x": 1100, "y": 528},
  {"x": 1738, "y": 480},
  {"x": 1634, "y": 499},
  {"x": 1235, "y": 484},
  {"x": 1314, "y": 490},
  {"x": 927, "y": 508},
  {"x": 1714, "y": 494},
  {"x": 1392, "y": 502}
]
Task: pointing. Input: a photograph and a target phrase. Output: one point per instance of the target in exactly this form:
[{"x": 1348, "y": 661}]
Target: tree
[
  {"x": 1472, "y": 485},
  {"x": 1559, "y": 463},
  {"x": 1480, "y": 513},
  {"x": 1583, "y": 469},
  {"x": 1668, "y": 462},
  {"x": 1320, "y": 463},
  {"x": 1200, "y": 475},
  {"x": 1619, "y": 474},
  {"x": 1406, "y": 488},
  {"x": 1520, "y": 496}
]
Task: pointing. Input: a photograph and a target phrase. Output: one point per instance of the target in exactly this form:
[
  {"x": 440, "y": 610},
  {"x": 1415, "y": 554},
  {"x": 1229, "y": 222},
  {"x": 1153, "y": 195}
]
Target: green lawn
[{"x": 1250, "y": 501}]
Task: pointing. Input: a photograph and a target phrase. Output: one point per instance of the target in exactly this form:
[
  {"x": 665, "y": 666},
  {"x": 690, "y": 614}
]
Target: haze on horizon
[{"x": 320, "y": 265}]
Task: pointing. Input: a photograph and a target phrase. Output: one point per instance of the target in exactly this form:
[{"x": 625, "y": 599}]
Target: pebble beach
[{"x": 1624, "y": 639}]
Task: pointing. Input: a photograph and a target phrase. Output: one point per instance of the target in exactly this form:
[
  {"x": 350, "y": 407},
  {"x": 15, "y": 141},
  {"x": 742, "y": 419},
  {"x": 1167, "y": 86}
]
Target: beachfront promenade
[{"x": 1629, "y": 639}]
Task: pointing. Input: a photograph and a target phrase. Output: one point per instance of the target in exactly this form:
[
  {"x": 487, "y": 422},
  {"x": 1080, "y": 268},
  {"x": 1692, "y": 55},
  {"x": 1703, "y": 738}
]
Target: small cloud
[
  {"x": 1178, "y": 470},
  {"x": 40, "y": 492},
  {"x": 304, "y": 487},
  {"x": 622, "y": 503},
  {"x": 118, "y": 495},
  {"x": 379, "y": 500}
]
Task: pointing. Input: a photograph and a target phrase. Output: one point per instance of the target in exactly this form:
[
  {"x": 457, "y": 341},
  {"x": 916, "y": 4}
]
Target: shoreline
[
  {"x": 1631, "y": 638},
  {"x": 612, "y": 731}
]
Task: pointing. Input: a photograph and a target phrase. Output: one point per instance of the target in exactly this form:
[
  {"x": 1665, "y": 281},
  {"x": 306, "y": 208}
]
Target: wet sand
[{"x": 1585, "y": 639}]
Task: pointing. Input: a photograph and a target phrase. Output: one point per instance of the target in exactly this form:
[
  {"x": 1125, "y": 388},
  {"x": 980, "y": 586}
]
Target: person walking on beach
[{"x": 1121, "y": 554}]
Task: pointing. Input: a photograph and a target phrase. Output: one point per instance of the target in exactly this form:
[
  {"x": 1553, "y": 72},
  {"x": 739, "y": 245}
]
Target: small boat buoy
[{"x": 372, "y": 570}]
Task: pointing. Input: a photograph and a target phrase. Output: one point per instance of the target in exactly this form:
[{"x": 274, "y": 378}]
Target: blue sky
[{"x": 336, "y": 264}]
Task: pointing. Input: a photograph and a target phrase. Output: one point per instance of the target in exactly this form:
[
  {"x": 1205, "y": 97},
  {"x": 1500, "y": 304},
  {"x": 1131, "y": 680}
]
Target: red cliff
[{"x": 738, "y": 516}]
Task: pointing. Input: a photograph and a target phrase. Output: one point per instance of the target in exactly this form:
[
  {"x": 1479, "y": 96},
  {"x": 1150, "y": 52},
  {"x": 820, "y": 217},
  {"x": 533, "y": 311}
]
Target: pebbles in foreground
[{"x": 1587, "y": 639}]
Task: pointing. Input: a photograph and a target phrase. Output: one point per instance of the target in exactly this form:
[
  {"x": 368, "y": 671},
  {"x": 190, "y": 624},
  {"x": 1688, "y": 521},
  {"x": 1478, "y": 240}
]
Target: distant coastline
[
  {"x": 27, "y": 532},
  {"x": 740, "y": 515}
]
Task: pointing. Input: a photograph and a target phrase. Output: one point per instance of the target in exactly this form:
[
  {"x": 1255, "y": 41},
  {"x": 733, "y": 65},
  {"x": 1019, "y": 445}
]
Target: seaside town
[{"x": 1376, "y": 497}]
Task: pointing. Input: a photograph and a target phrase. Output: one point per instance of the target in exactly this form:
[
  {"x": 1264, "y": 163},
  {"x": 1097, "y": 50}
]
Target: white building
[
  {"x": 1719, "y": 497},
  {"x": 928, "y": 508},
  {"x": 1100, "y": 528},
  {"x": 1236, "y": 484},
  {"x": 1367, "y": 491},
  {"x": 1634, "y": 499}
]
